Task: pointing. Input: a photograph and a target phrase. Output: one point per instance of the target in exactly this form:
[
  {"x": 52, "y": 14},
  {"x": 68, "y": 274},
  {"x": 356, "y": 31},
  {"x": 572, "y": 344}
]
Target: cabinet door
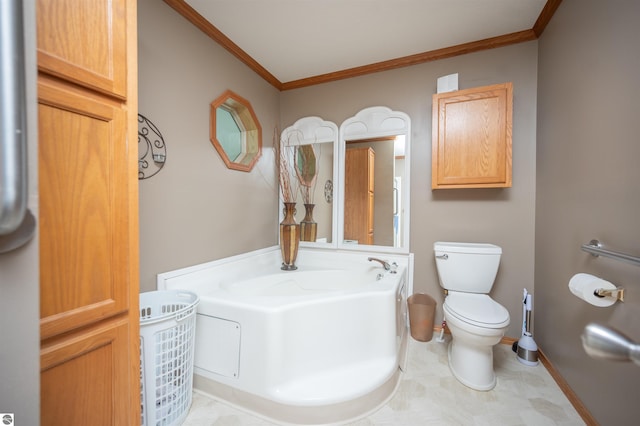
[
  {"x": 82, "y": 378},
  {"x": 83, "y": 245},
  {"x": 471, "y": 141},
  {"x": 85, "y": 42},
  {"x": 88, "y": 226}
]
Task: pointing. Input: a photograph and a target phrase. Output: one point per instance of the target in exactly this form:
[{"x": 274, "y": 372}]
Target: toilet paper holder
[{"x": 618, "y": 293}]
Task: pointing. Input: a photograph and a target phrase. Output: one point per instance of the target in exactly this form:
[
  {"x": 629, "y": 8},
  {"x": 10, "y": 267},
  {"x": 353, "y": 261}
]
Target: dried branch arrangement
[{"x": 285, "y": 166}]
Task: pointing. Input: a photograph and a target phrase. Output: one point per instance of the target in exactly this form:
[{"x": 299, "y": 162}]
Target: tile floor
[{"x": 429, "y": 395}]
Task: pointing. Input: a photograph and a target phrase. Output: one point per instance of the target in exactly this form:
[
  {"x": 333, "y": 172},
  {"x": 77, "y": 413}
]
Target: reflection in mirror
[
  {"x": 306, "y": 165},
  {"x": 307, "y": 171},
  {"x": 235, "y": 131},
  {"x": 314, "y": 144},
  {"x": 375, "y": 177}
]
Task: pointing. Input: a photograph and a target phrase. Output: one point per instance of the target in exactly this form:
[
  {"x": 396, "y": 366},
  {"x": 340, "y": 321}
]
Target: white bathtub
[{"x": 321, "y": 345}]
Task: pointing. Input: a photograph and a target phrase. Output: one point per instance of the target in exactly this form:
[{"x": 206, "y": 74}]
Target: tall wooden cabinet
[
  {"x": 87, "y": 154},
  {"x": 359, "y": 195},
  {"x": 471, "y": 141}
]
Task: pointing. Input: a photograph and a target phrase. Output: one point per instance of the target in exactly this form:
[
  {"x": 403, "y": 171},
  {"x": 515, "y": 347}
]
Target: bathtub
[{"x": 325, "y": 344}]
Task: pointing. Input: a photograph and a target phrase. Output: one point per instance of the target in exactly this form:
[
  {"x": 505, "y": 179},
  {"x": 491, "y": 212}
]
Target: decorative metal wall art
[
  {"x": 328, "y": 191},
  {"x": 152, "y": 151}
]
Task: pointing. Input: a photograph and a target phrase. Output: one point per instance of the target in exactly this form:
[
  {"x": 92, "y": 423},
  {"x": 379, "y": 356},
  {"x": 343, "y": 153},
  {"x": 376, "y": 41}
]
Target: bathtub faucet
[{"x": 386, "y": 265}]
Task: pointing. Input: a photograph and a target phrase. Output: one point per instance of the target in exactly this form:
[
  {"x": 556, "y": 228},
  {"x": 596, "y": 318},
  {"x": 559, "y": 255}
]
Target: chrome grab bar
[
  {"x": 13, "y": 156},
  {"x": 595, "y": 248}
]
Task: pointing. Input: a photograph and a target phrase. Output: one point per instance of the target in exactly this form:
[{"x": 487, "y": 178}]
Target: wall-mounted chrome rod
[
  {"x": 608, "y": 343},
  {"x": 595, "y": 248},
  {"x": 13, "y": 155}
]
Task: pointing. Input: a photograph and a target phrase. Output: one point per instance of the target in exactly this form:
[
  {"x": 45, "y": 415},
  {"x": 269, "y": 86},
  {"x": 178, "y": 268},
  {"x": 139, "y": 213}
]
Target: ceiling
[{"x": 294, "y": 43}]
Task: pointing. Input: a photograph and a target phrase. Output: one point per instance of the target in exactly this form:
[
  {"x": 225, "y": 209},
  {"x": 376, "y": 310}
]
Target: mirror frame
[
  {"x": 370, "y": 123},
  {"x": 312, "y": 130},
  {"x": 243, "y": 114}
]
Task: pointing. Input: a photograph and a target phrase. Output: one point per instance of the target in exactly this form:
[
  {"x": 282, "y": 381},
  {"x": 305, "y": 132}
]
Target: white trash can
[{"x": 167, "y": 334}]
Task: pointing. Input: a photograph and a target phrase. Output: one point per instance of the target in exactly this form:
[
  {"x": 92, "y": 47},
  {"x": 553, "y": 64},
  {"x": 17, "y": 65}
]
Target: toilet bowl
[
  {"x": 474, "y": 334},
  {"x": 477, "y": 322}
]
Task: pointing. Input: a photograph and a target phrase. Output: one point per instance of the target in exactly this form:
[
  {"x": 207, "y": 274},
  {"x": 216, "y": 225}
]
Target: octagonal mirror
[{"x": 235, "y": 131}]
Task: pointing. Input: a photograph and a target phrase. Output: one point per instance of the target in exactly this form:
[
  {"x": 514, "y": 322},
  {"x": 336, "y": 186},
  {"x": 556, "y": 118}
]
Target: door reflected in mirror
[
  {"x": 374, "y": 208},
  {"x": 373, "y": 191}
]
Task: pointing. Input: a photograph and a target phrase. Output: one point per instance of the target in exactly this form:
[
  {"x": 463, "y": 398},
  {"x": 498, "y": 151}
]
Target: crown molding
[{"x": 209, "y": 29}]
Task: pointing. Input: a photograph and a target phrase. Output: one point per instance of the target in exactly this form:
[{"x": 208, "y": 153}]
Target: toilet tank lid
[{"x": 480, "y": 248}]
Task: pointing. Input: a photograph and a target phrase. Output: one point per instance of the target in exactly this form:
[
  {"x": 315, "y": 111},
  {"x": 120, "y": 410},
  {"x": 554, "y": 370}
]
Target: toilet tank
[{"x": 467, "y": 267}]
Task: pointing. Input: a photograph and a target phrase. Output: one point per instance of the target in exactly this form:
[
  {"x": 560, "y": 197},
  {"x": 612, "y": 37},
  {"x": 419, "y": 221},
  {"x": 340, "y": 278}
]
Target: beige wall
[
  {"x": 501, "y": 216},
  {"x": 195, "y": 209},
  {"x": 588, "y": 187}
]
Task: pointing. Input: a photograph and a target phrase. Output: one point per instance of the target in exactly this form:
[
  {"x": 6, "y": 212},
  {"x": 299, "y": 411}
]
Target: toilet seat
[{"x": 476, "y": 309}]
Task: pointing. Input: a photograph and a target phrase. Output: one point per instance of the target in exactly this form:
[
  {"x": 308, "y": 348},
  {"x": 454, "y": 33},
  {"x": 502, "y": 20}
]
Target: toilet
[{"x": 477, "y": 322}]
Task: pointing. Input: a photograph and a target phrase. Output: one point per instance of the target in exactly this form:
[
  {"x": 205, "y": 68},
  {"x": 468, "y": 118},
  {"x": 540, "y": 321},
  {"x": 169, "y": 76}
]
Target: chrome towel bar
[{"x": 595, "y": 248}]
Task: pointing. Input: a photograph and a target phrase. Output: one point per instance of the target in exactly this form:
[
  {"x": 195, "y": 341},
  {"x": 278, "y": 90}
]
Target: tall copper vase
[
  {"x": 289, "y": 238},
  {"x": 308, "y": 227}
]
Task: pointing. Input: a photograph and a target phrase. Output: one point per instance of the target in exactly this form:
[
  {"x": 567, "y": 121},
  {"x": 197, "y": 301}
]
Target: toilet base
[{"x": 472, "y": 365}]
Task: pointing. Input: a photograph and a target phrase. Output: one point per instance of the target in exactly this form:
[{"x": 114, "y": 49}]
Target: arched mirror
[
  {"x": 374, "y": 177},
  {"x": 313, "y": 143},
  {"x": 235, "y": 131}
]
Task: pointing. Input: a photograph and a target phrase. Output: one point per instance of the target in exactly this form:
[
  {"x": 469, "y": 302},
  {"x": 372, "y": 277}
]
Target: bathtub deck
[{"x": 429, "y": 394}]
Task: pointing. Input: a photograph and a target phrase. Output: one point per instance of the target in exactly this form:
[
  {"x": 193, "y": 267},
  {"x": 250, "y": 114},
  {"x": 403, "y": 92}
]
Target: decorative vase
[
  {"x": 289, "y": 238},
  {"x": 308, "y": 227}
]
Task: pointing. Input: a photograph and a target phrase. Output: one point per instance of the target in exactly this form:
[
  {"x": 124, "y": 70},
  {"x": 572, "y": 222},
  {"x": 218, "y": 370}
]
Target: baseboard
[
  {"x": 566, "y": 389},
  {"x": 508, "y": 340}
]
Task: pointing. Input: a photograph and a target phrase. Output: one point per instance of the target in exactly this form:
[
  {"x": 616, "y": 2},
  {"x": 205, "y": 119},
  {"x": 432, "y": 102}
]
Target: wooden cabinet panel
[
  {"x": 88, "y": 213},
  {"x": 83, "y": 245},
  {"x": 82, "y": 378},
  {"x": 84, "y": 42},
  {"x": 471, "y": 141},
  {"x": 359, "y": 195}
]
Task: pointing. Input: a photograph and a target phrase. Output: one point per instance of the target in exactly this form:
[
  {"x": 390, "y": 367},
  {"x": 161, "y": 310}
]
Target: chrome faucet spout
[{"x": 385, "y": 264}]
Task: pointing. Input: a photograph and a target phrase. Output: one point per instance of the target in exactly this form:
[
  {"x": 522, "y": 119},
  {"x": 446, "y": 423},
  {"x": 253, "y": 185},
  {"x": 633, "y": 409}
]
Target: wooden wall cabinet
[
  {"x": 471, "y": 141},
  {"x": 358, "y": 196},
  {"x": 88, "y": 229}
]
